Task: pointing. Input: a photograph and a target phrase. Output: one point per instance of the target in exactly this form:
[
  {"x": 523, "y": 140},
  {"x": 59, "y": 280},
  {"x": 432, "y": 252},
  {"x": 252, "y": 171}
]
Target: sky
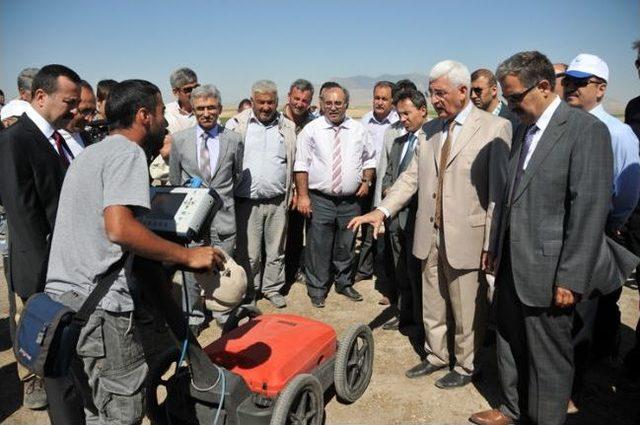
[{"x": 233, "y": 43}]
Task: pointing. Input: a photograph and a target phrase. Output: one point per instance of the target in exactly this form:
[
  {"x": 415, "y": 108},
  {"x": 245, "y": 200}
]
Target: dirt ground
[{"x": 391, "y": 398}]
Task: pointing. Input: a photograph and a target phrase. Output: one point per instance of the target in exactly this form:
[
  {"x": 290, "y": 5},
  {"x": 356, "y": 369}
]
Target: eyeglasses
[
  {"x": 188, "y": 89},
  {"x": 569, "y": 81},
  {"x": 87, "y": 112},
  {"x": 517, "y": 97}
]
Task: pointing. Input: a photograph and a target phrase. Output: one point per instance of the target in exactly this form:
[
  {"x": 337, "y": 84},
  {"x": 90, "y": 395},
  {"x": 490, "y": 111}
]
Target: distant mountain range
[{"x": 361, "y": 88}]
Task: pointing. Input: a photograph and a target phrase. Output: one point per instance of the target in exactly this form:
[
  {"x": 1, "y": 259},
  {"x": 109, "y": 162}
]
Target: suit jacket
[
  {"x": 287, "y": 129},
  {"x": 183, "y": 164},
  {"x": 507, "y": 114},
  {"x": 556, "y": 217},
  {"x": 395, "y": 130},
  {"x": 406, "y": 215},
  {"x": 473, "y": 184},
  {"x": 31, "y": 176}
]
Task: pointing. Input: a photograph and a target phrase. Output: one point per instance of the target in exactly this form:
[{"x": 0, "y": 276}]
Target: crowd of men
[{"x": 511, "y": 217}]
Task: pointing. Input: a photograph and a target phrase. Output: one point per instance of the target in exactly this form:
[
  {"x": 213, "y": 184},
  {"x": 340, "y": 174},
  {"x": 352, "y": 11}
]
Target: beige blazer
[{"x": 474, "y": 183}]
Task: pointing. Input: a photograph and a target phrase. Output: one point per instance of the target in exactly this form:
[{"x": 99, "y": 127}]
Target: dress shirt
[
  {"x": 626, "y": 167},
  {"x": 460, "y": 120},
  {"x": 376, "y": 129},
  {"x": 406, "y": 145},
  {"x": 74, "y": 141},
  {"x": 498, "y": 108},
  {"x": 177, "y": 118},
  {"x": 542, "y": 123},
  {"x": 46, "y": 129},
  {"x": 213, "y": 145},
  {"x": 264, "y": 166},
  {"x": 314, "y": 154}
]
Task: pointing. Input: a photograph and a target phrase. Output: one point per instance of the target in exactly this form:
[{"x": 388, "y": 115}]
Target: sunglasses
[
  {"x": 477, "y": 90},
  {"x": 517, "y": 97},
  {"x": 189, "y": 89},
  {"x": 637, "y": 62},
  {"x": 569, "y": 81}
]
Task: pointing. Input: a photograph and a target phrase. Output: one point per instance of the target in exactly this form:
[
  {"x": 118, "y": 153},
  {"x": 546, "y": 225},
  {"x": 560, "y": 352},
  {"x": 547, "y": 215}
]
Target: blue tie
[{"x": 406, "y": 160}]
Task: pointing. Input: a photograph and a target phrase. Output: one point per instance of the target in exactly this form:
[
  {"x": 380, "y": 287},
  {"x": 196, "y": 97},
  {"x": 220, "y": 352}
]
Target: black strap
[{"x": 101, "y": 289}]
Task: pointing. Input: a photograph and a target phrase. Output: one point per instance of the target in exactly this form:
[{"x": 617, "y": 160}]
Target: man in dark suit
[
  {"x": 33, "y": 161},
  {"x": 550, "y": 244},
  {"x": 411, "y": 106},
  {"x": 484, "y": 94},
  {"x": 214, "y": 154}
]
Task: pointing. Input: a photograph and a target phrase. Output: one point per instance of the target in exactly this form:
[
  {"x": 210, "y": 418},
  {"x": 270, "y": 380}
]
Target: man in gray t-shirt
[
  {"x": 112, "y": 172},
  {"x": 105, "y": 188}
]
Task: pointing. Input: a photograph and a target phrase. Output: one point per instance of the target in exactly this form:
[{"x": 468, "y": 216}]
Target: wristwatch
[{"x": 367, "y": 181}]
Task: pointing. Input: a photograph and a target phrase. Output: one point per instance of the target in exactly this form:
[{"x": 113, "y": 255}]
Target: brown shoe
[{"x": 491, "y": 417}]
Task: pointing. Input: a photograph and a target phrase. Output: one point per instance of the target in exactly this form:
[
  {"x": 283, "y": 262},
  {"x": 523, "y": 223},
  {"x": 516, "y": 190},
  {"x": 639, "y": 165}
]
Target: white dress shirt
[
  {"x": 74, "y": 141},
  {"x": 460, "y": 120},
  {"x": 46, "y": 129},
  {"x": 376, "y": 129},
  {"x": 542, "y": 123},
  {"x": 177, "y": 119},
  {"x": 314, "y": 154},
  {"x": 213, "y": 145}
]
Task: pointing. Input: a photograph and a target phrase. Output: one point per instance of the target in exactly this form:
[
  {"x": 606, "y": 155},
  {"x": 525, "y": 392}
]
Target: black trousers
[
  {"x": 330, "y": 245},
  {"x": 534, "y": 352},
  {"x": 407, "y": 276},
  {"x": 294, "y": 248},
  {"x": 632, "y": 239}
]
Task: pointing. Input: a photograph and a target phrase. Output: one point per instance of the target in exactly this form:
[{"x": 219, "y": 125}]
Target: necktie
[
  {"x": 444, "y": 158},
  {"x": 526, "y": 146},
  {"x": 336, "y": 172},
  {"x": 408, "y": 155},
  {"x": 205, "y": 164},
  {"x": 61, "y": 146}
]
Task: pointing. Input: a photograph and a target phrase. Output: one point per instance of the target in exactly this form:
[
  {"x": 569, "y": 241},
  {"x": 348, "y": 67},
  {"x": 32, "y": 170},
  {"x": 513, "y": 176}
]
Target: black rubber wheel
[
  {"x": 155, "y": 380},
  {"x": 354, "y": 364},
  {"x": 301, "y": 403}
]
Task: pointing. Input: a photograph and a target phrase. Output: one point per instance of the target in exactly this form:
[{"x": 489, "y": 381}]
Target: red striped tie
[
  {"x": 61, "y": 146},
  {"x": 336, "y": 175}
]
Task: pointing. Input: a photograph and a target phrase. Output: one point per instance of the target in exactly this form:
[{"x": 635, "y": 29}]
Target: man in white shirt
[
  {"x": 74, "y": 133},
  {"x": 376, "y": 122},
  {"x": 334, "y": 171},
  {"x": 179, "y": 116}
]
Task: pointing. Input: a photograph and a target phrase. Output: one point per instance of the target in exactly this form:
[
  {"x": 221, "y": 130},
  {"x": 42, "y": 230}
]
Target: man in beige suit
[{"x": 453, "y": 223}]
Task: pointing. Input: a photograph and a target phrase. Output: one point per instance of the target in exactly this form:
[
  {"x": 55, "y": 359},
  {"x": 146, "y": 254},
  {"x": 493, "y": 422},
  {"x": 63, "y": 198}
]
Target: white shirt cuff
[{"x": 385, "y": 211}]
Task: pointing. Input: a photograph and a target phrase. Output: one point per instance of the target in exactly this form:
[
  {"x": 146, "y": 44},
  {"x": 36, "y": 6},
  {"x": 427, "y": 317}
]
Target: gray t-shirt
[{"x": 111, "y": 172}]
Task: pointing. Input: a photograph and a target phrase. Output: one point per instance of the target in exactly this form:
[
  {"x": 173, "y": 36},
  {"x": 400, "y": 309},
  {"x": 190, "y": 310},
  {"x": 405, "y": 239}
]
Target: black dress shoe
[
  {"x": 392, "y": 325},
  {"x": 422, "y": 369},
  {"x": 317, "y": 302},
  {"x": 350, "y": 293},
  {"x": 453, "y": 380}
]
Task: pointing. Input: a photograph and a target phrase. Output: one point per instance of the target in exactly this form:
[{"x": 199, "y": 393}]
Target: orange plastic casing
[{"x": 270, "y": 350}]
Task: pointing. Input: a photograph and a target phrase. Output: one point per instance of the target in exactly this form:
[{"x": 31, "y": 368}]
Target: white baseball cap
[
  {"x": 14, "y": 108},
  {"x": 585, "y": 65}
]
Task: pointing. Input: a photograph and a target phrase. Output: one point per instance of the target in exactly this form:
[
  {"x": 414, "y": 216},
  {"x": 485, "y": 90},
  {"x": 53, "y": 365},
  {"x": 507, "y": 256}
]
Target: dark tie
[
  {"x": 61, "y": 147},
  {"x": 408, "y": 155},
  {"x": 444, "y": 158},
  {"x": 526, "y": 146}
]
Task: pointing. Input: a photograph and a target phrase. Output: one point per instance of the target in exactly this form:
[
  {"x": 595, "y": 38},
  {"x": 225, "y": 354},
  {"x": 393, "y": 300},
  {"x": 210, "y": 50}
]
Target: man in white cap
[{"x": 585, "y": 85}]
